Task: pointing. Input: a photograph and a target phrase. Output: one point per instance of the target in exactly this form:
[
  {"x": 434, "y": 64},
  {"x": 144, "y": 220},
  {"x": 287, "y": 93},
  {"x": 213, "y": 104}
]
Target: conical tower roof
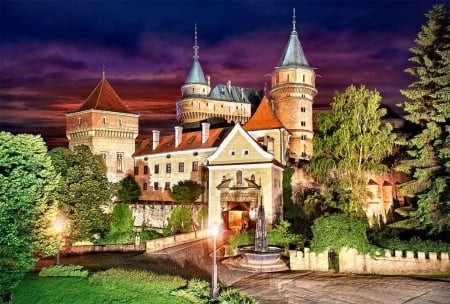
[
  {"x": 293, "y": 54},
  {"x": 263, "y": 119},
  {"x": 104, "y": 98},
  {"x": 196, "y": 74}
]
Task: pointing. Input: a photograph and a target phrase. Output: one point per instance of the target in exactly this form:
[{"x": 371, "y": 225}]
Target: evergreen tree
[
  {"x": 428, "y": 107},
  {"x": 350, "y": 142}
]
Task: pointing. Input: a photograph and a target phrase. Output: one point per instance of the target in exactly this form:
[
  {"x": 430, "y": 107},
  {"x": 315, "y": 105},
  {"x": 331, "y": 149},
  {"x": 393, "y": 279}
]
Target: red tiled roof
[
  {"x": 263, "y": 118},
  {"x": 190, "y": 140},
  {"x": 103, "y": 97}
]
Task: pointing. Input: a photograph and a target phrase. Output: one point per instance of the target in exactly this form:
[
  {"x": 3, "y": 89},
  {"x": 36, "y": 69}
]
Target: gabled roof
[
  {"x": 104, "y": 98},
  {"x": 263, "y": 119},
  {"x": 189, "y": 141},
  {"x": 293, "y": 54}
]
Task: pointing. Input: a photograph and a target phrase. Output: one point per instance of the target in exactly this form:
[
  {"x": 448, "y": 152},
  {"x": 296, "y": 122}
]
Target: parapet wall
[
  {"x": 165, "y": 242},
  {"x": 393, "y": 263}
]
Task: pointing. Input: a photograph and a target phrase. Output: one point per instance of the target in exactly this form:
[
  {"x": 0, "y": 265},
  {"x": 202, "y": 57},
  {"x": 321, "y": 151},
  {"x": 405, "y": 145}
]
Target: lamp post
[
  {"x": 214, "y": 289},
  {"x": 59, "y": 228}
]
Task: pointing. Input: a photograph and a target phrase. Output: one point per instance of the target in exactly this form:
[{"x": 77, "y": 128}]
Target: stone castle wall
[{"x": 392, "y": 264}]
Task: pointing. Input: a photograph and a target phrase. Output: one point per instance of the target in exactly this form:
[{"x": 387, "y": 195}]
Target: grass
[{"x": 73, "y": 290}]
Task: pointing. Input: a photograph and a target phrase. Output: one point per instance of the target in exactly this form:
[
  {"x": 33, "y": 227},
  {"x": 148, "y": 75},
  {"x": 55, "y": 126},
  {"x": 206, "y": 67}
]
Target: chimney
[
  {"x": 155, "y": 139},
  {"x": 205, "y": 132},
  {"x": 178, "y": 135},
  {"x": 229, "y": 85},
  {"x": 208, "y": 79}
]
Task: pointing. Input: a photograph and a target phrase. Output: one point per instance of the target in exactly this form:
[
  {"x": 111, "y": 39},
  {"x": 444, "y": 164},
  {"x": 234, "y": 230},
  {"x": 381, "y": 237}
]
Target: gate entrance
[
  {"x": 333, "y": 261},
  {"x": 236, "y": 217}
]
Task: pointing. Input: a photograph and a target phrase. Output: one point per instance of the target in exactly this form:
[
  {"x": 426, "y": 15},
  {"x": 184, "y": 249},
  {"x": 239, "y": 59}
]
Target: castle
[{"x": 234, "y": 141}]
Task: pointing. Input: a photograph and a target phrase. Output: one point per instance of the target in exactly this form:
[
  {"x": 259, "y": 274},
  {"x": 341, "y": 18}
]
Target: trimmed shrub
[
  {"x": 197, "y": 291},
  {"x": 233, "y": 296},
  {"x": 64, "y": 271}
]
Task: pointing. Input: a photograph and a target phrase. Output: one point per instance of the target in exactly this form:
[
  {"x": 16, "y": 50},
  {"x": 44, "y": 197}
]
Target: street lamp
[
  {"x": 214, "y": 289},
  {"x": 59, "y": 225}
]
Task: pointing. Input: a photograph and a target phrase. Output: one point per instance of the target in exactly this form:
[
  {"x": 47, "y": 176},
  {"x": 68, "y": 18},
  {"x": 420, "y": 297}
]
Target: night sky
[{"x": 52, "y": 53}]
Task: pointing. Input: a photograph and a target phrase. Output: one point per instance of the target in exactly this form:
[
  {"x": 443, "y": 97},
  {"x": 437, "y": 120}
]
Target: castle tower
[
  {"x": 107, "y": 127},
  {"x": 293, "y": 92}
]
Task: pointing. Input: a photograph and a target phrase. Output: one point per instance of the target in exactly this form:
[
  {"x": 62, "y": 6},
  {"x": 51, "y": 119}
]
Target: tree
[
  {"x": 186, "y": 191},
  {"x": 350, "y": 143},
  {"x": 27, "y": 179},
  {"x": 129, "y": 190},
  {"x": 428, "y": 107},
  {"x": 121, "y": 224},
  {"x": 83, "y": 192}
]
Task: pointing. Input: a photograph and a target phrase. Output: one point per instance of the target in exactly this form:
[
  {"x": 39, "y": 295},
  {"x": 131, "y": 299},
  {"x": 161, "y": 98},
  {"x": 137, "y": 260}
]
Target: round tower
[{"x": 292, "y": 94}]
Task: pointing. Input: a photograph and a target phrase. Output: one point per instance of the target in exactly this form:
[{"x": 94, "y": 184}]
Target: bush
[
  {"x": 281, "y": 236},
  {"x": 64, "y": 271},
  {"x": 233, "y": 296},
  {"x": 413, "y": 244},
  {"x": 333, "y": 232},
  {"x": 240, "y": 238},
  {"x": 197, "y": 291}
]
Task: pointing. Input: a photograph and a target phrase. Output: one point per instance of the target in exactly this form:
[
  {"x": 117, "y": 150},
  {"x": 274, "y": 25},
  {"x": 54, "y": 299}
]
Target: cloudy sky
[{"x": 52, "y": 52}]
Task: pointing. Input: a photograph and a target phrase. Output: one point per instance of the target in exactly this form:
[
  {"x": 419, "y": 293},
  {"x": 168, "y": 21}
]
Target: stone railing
[
  {"x": 391, "y": 264},
  {"x": 169, "y": 241},
  {"x": 80, "y": 249}
]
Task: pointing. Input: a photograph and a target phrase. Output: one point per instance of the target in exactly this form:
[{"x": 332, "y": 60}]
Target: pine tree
[{"x": 428, "y": 107}]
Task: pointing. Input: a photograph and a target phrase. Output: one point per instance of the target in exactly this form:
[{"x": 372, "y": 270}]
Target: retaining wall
[
  {"x": 102, "y": 248},
  {"x": 165, "y": 242},
  {"x": 394, "y": 263}
]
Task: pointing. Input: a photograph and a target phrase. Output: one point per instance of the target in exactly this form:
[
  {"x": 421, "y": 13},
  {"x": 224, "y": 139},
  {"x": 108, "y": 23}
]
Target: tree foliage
[
  {"x": 122, "y": 223},
  {"x": 129, "y": 190},
  {"x": 428, "y": 107},
  {"x": 180, "y": 219},
  {"x": 350, "y": 142},
  {"x": 27, "y": 179},
  {"x": 186, "y": 191},
  {"x": 83, "y": 192}
]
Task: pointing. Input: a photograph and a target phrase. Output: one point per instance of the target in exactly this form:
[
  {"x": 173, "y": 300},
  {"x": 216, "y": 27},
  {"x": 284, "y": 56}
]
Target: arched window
[{"x": 238, "y": 177}]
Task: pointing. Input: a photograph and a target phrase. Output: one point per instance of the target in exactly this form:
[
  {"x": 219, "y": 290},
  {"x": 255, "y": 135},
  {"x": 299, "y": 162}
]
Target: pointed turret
[
  {"x": 293, "y": 53},
  {"x": 293, "y": 92},
  {"x": 195, "y": 83}
]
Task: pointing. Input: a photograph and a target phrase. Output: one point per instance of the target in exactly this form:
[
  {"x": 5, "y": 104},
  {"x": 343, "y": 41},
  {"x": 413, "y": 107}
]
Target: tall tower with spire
[
  {"x": 106, "y": 125},
  {"x": 293, "y": 91}
]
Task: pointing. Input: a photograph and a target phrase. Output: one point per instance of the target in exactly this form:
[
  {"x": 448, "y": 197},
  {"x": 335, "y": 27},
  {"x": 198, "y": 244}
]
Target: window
[
  {"x": 303, "y": 137},
  {"x": 232, "y": 153},
  {"x": 287, "y": 77},
  {"x": 155, "y": 186},
  {"x": 303, "y": 123},
  {"x": 168, "y": 168},
  {"x": 119, "y": 162},
  {"x": 120, "y": 121},
  {"x": 104, "y": 157},
  {"x": 245, "y": 152},
  {"x": 303, "y": 109},
  {"x": 156, "y": 169},
  {"x": 144, "y": 186},
  {"x": 238, "y": 177},
  {"x": 195, "y": 166},
  {"x": 167, "y": 186},
  {"x": 145, "y": 169},
  {"x": 136, "y": 170},
  {"x": 180, "y": 167},
  {"x": 303, "y": 77},
  {"x": 104, "y": 120}
]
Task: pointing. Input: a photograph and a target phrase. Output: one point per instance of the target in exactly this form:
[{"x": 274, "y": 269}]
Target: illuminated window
[{"x": 119, "y": 162}]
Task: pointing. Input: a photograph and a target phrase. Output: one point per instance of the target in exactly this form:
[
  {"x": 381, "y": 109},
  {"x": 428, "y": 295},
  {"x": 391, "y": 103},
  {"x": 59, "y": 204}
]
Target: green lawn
[{"x": 61, "y": 290}]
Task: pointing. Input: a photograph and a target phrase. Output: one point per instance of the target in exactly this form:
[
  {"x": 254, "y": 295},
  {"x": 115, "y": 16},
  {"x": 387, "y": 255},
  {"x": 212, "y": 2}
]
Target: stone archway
[{"x": 236, "y": 216}]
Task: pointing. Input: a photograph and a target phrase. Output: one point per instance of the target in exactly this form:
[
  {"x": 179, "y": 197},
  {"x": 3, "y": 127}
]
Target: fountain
[{"x": 260, "y": 256}]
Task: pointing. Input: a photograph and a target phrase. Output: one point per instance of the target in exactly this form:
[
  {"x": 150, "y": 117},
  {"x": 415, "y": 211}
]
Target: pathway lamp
[{"x": 214, "y": 289}]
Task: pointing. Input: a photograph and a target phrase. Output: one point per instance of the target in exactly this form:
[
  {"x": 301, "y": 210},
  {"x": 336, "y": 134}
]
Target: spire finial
[
  {"x": 195, "y": 47},
  {"x": 103, "y": 71},
  {"x": 293, "y": 19}
]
